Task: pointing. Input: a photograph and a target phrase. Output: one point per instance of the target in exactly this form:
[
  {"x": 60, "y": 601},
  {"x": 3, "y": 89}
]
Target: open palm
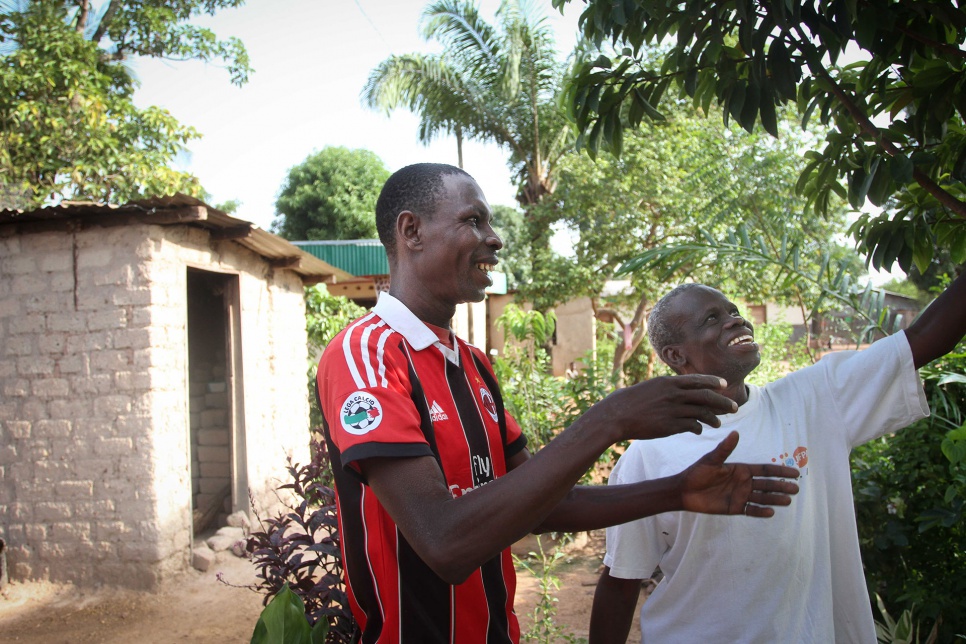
[{"x": 712, "y": 486}]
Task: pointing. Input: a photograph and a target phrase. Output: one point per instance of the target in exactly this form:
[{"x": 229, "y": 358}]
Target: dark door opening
[{"x": 216, "y": 431}]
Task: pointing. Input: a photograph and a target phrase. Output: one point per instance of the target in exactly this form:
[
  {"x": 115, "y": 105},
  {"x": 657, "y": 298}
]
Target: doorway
[{"x": 215, "y": 404}]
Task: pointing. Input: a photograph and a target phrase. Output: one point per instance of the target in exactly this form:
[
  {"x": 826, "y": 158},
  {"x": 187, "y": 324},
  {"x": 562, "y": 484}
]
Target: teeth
[
  {"x": 486, "y": 268},
  {"x": 741, "y": 339}
]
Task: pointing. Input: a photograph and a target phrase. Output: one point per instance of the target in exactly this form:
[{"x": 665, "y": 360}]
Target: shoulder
[
  {"x": 369, "y": 332},
  {"x": 365, "y": 351},
  {"x": 890, "y": 350},
  {"x": 629, "y": 465},
  {"x": 478, "y": 353}
]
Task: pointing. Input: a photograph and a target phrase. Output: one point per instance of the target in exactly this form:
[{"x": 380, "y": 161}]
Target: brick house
[{"x": 152, "y": 373}]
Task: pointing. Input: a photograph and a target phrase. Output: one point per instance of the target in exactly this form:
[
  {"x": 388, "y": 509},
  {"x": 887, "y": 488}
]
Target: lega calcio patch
[{"x": 361, "y": 413}]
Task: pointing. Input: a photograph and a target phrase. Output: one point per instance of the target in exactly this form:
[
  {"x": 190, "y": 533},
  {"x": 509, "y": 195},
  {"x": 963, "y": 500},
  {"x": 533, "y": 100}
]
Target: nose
[
  {"x": 492, "y": 239},
  {"x": 736, "y": 320}
]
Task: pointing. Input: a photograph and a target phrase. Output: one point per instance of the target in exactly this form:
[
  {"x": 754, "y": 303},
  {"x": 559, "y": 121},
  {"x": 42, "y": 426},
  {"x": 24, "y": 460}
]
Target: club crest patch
[
  {"x": 361, "y": 413},
  {"x": 488, "y": 403}
]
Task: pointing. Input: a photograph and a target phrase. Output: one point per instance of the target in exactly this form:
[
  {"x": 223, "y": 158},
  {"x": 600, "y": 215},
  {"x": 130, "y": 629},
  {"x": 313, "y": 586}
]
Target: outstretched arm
[
  {"x": 455, "y": 536},
  {"x": 943, "y": 324},
  {"x": 710, "y": 486},
  {"x": 615, "y": 601}
]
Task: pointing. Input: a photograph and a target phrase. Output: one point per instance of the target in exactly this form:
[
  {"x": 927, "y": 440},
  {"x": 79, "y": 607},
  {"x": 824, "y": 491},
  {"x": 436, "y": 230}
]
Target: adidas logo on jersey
[{"x": 436, "y": 413}]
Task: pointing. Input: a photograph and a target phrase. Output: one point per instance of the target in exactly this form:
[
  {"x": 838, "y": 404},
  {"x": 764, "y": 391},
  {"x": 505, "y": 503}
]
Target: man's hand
[
  {"x": 712, "y": 486},
  {"x": 663, "y": 406}
]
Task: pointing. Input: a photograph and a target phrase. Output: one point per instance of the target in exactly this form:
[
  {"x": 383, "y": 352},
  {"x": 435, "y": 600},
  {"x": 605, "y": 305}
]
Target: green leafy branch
[{"x": 833, "y": 280}]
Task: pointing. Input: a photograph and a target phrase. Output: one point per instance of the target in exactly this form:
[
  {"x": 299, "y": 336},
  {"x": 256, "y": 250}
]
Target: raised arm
[
  {"x": 455, "y": 536},
  {"x": 941, "y": 326}
]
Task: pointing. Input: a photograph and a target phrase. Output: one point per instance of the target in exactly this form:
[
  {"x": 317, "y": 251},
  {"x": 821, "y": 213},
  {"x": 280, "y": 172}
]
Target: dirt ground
[
  {"x": 199, "y": 608},
  {"x": 577, "y": 575}
]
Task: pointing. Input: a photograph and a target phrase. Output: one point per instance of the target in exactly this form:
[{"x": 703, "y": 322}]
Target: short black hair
[
  {"x": 416, "y": 188},
  {"x": 661, "y": 331}
]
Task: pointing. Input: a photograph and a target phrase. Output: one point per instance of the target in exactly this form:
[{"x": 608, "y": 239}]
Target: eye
[{"x": 475, "y": 220}]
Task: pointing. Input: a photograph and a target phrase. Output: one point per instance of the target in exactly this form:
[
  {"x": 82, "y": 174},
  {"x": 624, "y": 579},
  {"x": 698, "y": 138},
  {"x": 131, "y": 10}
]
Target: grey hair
[{"x": 661, "y": 330}]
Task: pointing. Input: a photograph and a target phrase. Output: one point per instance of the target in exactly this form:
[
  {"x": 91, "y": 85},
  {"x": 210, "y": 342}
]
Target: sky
[{"x": 311, "y": 59}]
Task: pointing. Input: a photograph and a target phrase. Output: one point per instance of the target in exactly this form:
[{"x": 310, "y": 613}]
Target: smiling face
[
  {"x": 457, "y": 245},
  {"x": 713, "y": 338}
]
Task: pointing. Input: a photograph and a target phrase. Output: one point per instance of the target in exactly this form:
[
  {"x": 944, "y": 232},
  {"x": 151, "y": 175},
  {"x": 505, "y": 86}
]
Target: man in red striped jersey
[{"x": 433, "y": 477}]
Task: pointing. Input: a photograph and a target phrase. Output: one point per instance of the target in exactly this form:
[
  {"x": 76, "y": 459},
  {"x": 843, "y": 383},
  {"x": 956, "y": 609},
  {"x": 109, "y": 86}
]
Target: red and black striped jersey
[{"x": 389, "y": 388}]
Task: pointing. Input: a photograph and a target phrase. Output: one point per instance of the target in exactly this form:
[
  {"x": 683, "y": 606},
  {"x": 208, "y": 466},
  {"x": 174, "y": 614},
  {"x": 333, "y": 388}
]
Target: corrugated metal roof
[
  {"x": 356, "y": 256},
  {"x": 184, "y": 210}
]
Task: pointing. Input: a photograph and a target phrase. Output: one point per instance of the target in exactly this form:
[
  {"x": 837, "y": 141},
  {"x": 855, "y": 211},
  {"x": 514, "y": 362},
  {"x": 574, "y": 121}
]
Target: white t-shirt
[{"x": 796, "y": 577}]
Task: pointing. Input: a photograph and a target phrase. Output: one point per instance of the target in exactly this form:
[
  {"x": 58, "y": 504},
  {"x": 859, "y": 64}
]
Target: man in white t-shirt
[{"x": 798, "y": 577}]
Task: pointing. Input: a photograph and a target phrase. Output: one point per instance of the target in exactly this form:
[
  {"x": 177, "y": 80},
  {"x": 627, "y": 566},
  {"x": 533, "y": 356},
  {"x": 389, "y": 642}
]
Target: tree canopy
[
  {"x": 490, "y": 83},
  {"x": 510, "y": 224},
  {"x": 888, "y": 79},
  {"x": 677, "y": 181},
  {"x": 331, "y": 195},
  {"x": 68, "y": 124}
]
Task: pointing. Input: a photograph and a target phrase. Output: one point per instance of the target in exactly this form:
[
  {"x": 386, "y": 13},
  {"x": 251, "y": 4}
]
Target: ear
[
  {"x": 408, "y": 229},
  {"x": 674, "y": 357}
]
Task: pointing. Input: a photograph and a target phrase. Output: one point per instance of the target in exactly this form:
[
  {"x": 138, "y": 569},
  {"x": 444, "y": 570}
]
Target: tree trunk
[
  {"x": 459, "y": 146},
  {"x": 633, "y": 334}
]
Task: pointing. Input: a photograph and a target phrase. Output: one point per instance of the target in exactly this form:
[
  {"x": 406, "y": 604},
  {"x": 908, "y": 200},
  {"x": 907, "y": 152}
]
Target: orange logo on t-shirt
[{"x": 798, "y": 458}]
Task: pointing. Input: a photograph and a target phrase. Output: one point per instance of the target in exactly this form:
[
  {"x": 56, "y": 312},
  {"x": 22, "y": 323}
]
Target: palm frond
[{"x": 473, "y": 43}]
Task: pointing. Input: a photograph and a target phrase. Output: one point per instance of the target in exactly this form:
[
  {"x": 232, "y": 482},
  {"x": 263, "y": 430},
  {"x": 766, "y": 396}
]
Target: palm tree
[{"x": 490, "y": 84}]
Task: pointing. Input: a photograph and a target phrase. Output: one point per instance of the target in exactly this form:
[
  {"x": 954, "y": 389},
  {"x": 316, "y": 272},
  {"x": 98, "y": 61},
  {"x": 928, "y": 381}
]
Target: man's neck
[
  {"x": 421, "y": 306},
  {"x": 738, "y": 392},
  {"x": 445, "y": 334}
]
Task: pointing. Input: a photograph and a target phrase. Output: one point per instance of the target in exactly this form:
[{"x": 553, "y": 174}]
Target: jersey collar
[{"x": 419, "y": 336}]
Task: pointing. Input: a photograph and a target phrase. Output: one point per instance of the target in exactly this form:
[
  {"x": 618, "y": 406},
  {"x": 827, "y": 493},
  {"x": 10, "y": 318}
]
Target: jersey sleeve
[
  {"x": 634, "y": 549},
  {"x": 366, "y": 395},
  {"x": 515, "y": 440}
]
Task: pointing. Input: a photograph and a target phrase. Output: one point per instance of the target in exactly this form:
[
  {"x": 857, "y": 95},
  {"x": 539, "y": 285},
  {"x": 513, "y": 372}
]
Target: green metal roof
[{"x": 357, "y": 256}]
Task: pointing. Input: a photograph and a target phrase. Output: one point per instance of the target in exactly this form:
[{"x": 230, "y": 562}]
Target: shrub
[
  {"x": 299, "y": 548},
  {"x": 909, "y": 505},
  {"x": 531, "y": 393},
  {"x": 283, "y": 622},
  {"x": 542, "y": 565}
]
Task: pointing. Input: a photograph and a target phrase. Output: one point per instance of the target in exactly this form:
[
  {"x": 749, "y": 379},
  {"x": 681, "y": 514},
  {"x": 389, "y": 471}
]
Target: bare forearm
[
  {"x": 941, "y": 326},
  {"x": 594, "y": 507},
  {"x": 444, "y": 530},
  {"x": 709, "y": 485}
]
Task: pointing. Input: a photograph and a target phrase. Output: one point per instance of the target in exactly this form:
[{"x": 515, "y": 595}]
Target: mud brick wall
[
  {"x": 210, "y": 438},
  {"x": 94, "y": 395}
]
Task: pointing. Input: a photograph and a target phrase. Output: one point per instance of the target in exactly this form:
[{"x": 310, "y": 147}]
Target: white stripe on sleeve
[
  {"x": 380, "y": 353},
  {"x": 347, "y": 351}
]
